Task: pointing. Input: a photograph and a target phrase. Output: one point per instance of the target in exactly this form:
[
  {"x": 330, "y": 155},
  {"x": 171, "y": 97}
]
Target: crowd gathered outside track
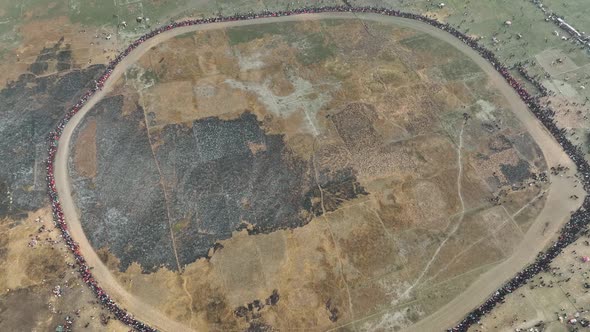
[{"x": 568, "y": 234}]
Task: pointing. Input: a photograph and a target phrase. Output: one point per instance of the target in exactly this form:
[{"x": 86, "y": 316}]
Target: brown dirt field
[
  {"x": 318, "y": 269},
  {"x": 85, "y": 151},
  {"x": 400, "y": 148},
  {"x": 36, "y": 34},
  {"x": 32, "y": 262}
]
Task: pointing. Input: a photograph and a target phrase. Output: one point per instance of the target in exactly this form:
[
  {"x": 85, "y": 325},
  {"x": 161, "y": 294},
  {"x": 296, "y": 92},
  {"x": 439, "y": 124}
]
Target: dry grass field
[
  {"x": 426, "y": 145},
  {"x": 387, "y": 109}
]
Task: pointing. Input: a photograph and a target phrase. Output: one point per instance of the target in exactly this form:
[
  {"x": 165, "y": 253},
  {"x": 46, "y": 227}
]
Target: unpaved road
[{"x": 555, "y": 211}]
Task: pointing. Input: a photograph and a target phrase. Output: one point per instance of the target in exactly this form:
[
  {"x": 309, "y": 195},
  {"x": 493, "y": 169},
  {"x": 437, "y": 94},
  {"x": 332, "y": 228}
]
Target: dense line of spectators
[
  {"x": 543, "y": 91},
  {"x": 569, "y": 233}
]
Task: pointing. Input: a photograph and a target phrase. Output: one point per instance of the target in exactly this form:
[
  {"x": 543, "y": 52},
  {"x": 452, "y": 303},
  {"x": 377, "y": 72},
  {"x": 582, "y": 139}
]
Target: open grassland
[{"x": 397, "y": 157}]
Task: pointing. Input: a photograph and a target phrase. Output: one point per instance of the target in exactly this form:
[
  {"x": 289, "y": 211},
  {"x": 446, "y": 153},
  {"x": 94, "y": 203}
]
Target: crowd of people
[
  {"x": 543, "y": 91},
  {"x": 569, "y": 233}
]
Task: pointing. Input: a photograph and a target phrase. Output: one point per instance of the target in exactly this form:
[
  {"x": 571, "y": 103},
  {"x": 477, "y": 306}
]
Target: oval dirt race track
[{"x": 556, "y": 210}]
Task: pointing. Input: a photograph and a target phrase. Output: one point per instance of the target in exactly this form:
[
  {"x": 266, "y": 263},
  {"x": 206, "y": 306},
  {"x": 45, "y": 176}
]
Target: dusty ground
[
  {"x": 429, "y": 140},
  {"x": 34, "y": 266}
]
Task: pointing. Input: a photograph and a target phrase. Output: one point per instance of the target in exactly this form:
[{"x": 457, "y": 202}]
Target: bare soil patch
[{"x": 85, "y": 151}]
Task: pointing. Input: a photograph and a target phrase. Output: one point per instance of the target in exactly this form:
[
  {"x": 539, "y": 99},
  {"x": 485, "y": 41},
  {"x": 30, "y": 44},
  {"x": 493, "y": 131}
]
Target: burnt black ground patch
[
  {"x": 517, "y": 173},
  {"x": 221, "y": 184},
  {"x": 220, "y": 176},
  {"x": 29, "y": 108},
  {"x": 127, "y": 212},
  {"x": 336, "y": 188}
]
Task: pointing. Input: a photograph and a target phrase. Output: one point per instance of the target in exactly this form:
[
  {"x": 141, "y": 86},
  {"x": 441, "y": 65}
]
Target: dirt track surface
[{"x": 555, "y": 212}]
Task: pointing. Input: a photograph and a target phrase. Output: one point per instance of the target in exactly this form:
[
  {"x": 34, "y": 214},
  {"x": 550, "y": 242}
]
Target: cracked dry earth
[{"x": 302, "y": 175}]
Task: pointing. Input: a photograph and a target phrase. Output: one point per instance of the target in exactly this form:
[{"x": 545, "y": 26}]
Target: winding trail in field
[
  {"x": 556, "y": 210},
  {"x": 461, "y": 214}
]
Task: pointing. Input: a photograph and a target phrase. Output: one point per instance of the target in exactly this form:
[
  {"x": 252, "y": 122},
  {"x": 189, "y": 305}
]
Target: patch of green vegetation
[
  {"x": 180, "y": 226},
  {"x": 451, "y": 123},
  {"x": 227, "y": 7},
  {"x": 158, "y": 9},
  {"x": 132, "y": 73},
  {"x": 315, "y": 49},
  {"x": 15, "y": 12},
  {"x": 313, "y": 46},
  {"x": 11, "y": 9},
  {"x": 238, "y": 35},
  {"x": 18, "y": 9},
  {"x": 459, "y": 69},
  {"x": 112, "y": 12},
  {"x": 334, "y": 23},
  {"x": 187, "y": 35},
  {"x": 93, "y": 12},
  {"x": 145, "y": 77},
  {"x": 477, "y": 85},
  {"x": 427, "y": 44},
  {"x": 149, "y": 76},
  {"x": 387, "y": 55},
  {"x": 3, "y": 53}
]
